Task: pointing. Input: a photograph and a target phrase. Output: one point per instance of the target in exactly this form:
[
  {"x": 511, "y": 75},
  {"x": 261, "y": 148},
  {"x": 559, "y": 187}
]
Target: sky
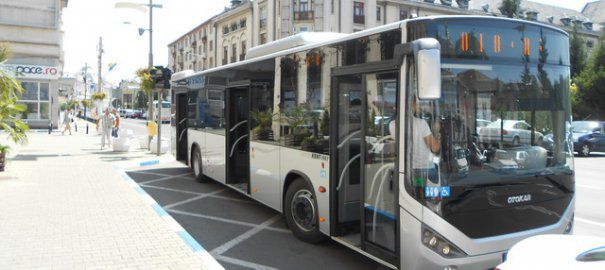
[{"x": 84, "y": 21}]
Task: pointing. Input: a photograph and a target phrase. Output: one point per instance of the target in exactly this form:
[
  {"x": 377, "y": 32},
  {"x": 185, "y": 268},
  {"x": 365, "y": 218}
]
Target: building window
[
  {"x": 332, "y": 7},
  {"x": 225, "y": 30},
  {"x": 263, "y": 38},
  {"x": 36, "y": 98},
  {"x": 358, "y": 13},
  {"x": 233, "y": 53},
  {"x": 304, "y": 11},
  {"x": 263, "y": 17},
  {"x": 242, "y": 56},
  {"x": 403, "y": 14},
  {"x": 378, "y": 14},
  {"x": 225, "y": 54}
]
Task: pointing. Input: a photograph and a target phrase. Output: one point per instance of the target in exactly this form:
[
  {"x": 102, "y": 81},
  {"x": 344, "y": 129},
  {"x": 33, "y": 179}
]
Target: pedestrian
[
  {"x": 67, "y": 121},
  {"x": 106, "y": 122},
  {"x": 116, "y": 127}
]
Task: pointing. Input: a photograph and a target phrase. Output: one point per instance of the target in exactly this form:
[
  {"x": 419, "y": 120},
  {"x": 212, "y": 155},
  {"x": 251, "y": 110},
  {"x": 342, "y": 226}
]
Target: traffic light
[{"x": 161, "y": 77}]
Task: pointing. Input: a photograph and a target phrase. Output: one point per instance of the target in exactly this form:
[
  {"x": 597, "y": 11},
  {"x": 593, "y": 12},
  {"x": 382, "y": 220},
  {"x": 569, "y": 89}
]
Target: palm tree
[{"x": 10, "y": 92}]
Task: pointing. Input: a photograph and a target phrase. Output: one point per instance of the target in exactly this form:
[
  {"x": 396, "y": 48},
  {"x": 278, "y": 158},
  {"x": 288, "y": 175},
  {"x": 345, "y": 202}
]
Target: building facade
[
  {"x": 32, "y": 29},
  {"x": 247, "y": 23}
]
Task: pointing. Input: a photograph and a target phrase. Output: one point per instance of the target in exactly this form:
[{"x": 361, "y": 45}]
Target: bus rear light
[
  {"x": 322, "y": 189},
  {"x": 440, "y": 245},
  {"x": 322, "y": 219}
]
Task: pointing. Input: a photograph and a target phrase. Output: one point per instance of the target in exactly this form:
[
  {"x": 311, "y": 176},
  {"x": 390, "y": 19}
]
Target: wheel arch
[
  {"x": 194, "y": 146},
  {"x": 290, "y": 178}
]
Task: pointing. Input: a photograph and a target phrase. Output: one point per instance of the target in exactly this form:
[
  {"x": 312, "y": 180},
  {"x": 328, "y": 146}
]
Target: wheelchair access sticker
[{"x": 436, "y": 192}]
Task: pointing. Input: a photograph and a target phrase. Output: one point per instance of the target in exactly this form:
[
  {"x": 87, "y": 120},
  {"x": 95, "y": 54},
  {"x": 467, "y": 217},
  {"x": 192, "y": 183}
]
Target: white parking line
[
  {"x": 163, "y": 178},
  {"x": 243, "y": 263},
  {"x": 226, "y": 220},
  {"x": 244, "y": 236},
  {"x": 590, "y": 187},
  {"x": 587, "y": 221},
  {"x": 192, "y": 199},
  {"x": 172, "y": 189}
]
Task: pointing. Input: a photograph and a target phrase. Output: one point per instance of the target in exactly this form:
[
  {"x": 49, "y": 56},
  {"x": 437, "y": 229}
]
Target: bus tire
[
  {"x": 300, "y": 209},
  {"x": 196, "y": 166}
]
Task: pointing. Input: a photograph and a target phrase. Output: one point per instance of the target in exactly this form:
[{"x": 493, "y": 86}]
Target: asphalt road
[{"x": 590, "y": 188}]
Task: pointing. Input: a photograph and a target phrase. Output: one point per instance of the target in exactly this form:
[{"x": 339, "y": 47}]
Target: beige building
[
  {"x": 247, "y": 23},
  {"x": 32, "y": 29}
]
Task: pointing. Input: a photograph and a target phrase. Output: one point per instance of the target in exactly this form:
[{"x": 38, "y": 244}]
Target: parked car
[
  {"x": 554, "y": 252},
  {"x": 143, "y": 115},
  {"x": 136, "y": 114},
  {"x": 588, "y": 136},
  {"x": 511, "y": 132},
  {"x": 128, "y": 113},
  {"x": 122, "y": 112}
]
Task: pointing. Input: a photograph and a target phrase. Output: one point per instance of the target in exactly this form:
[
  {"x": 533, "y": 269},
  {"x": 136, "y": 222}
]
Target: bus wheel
[
  {"x": 301, "y": 212},
  {"x": 196, "y": 166}
]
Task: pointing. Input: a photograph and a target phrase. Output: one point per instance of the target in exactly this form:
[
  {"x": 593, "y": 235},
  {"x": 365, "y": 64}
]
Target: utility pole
[{"x": 150, "y": 66}]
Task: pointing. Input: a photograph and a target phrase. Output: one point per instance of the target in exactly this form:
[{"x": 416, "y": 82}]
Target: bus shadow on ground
[{"x": 239, "y": 232}]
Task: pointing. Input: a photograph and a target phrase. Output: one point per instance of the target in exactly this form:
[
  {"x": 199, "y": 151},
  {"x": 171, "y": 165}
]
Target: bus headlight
[{"x": 440, "y": 245}]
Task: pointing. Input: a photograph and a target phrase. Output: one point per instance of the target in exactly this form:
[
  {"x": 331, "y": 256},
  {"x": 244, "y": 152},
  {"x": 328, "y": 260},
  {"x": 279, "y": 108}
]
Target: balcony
[
  {"x": 303, "y": 15},
  {"x": 359, "y": 19}
]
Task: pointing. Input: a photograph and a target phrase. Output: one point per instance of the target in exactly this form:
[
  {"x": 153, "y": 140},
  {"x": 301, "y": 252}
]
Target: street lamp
[
  {"x": 143, "y": 8},
  {"x": 84, "y": 75}
]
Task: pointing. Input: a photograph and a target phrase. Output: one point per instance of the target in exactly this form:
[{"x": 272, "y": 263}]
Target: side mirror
[{"x": 427, "y": 53}]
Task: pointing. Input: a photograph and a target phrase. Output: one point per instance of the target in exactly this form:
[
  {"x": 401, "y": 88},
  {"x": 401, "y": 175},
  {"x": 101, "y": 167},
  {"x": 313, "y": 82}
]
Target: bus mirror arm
[{"x": 427, "y": 56}]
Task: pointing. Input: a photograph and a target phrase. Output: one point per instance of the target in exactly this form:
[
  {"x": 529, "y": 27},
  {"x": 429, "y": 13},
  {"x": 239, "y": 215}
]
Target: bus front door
[
  {"x": 237, "y": 152},
  {"x": 364, "y": 182}
]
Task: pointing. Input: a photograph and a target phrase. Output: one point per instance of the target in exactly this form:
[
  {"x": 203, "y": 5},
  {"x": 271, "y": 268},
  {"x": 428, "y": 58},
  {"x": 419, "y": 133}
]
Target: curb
[{"x": 168, "y": 219}]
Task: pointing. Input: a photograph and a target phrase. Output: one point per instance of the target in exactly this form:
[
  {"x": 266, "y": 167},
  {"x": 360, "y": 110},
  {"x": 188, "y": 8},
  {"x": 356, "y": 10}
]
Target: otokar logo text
[{"x": 519, "y": 199}]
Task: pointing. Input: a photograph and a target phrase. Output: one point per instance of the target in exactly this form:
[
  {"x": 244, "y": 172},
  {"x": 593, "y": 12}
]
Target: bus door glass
[
  {"x": 348, "y": 149},
  {"x": 379, "y": 156}
]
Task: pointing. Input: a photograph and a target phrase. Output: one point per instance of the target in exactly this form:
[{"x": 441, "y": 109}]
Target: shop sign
[{"x": 32, "y": 71}]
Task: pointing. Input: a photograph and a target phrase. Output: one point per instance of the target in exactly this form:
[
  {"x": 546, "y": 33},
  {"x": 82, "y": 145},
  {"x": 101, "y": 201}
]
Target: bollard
[{"x": 50, "y": 127}]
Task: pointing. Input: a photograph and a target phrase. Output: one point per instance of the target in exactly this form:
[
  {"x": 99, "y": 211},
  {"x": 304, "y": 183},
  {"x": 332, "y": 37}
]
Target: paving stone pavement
[{"x": 63, "y": 206}]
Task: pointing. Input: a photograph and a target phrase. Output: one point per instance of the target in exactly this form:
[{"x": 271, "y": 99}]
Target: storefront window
[
  {"x": 44, "y": 91},
  {"x": 36, "y": 97}
]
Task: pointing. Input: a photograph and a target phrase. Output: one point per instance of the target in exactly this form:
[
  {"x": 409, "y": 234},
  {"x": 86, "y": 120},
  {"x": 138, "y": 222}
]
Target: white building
[
  {"x": 32, "y": 29},
  {"x": 225, "y": 37}
]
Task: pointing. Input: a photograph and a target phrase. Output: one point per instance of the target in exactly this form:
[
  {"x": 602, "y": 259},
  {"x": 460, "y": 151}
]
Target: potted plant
[
  {"x": 264, "y": 120},
  {"x": 10, "y": 92},
  {"x": 296, "y": 119}
]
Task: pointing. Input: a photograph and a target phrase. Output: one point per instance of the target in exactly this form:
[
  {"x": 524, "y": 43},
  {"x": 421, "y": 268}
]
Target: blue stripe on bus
[{"x": 381, "y": 212}]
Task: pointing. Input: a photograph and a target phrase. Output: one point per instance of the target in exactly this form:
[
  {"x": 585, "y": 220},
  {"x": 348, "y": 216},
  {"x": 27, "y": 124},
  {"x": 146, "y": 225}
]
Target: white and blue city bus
[{"x": 418, "y": 144}]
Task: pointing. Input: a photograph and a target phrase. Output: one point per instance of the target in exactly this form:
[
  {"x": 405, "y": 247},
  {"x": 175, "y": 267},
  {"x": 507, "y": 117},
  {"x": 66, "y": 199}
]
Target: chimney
[
  {"x": 463, "y": 4},
  {"x": 531, "y": 15},
  {"x": 551, "y": 19}
]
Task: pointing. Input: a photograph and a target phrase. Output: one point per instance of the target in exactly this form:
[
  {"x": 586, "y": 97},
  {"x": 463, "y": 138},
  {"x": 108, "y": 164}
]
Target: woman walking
[
  {"x": 116, "y": 127},
  {"x": 67, "y": 121}
]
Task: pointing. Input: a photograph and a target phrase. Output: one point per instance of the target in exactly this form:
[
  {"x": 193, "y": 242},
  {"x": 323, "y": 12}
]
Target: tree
[
  {"x": 577, "y": 52},
  {"x": 10, "y": 92},
  {"x": 147, "y": 87},
  {"x": 510, "y": 8},
  {"x": 140, "y": 101},
  {"x": 591, "y": 85}
]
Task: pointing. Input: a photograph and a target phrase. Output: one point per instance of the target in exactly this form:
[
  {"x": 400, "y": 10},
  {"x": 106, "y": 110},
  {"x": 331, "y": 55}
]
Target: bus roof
[{"x": 347, "y": 37}]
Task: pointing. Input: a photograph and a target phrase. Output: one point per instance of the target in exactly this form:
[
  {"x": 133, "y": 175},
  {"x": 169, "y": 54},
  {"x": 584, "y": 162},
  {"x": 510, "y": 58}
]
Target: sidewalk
[{"x": 63, "y": 206}]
